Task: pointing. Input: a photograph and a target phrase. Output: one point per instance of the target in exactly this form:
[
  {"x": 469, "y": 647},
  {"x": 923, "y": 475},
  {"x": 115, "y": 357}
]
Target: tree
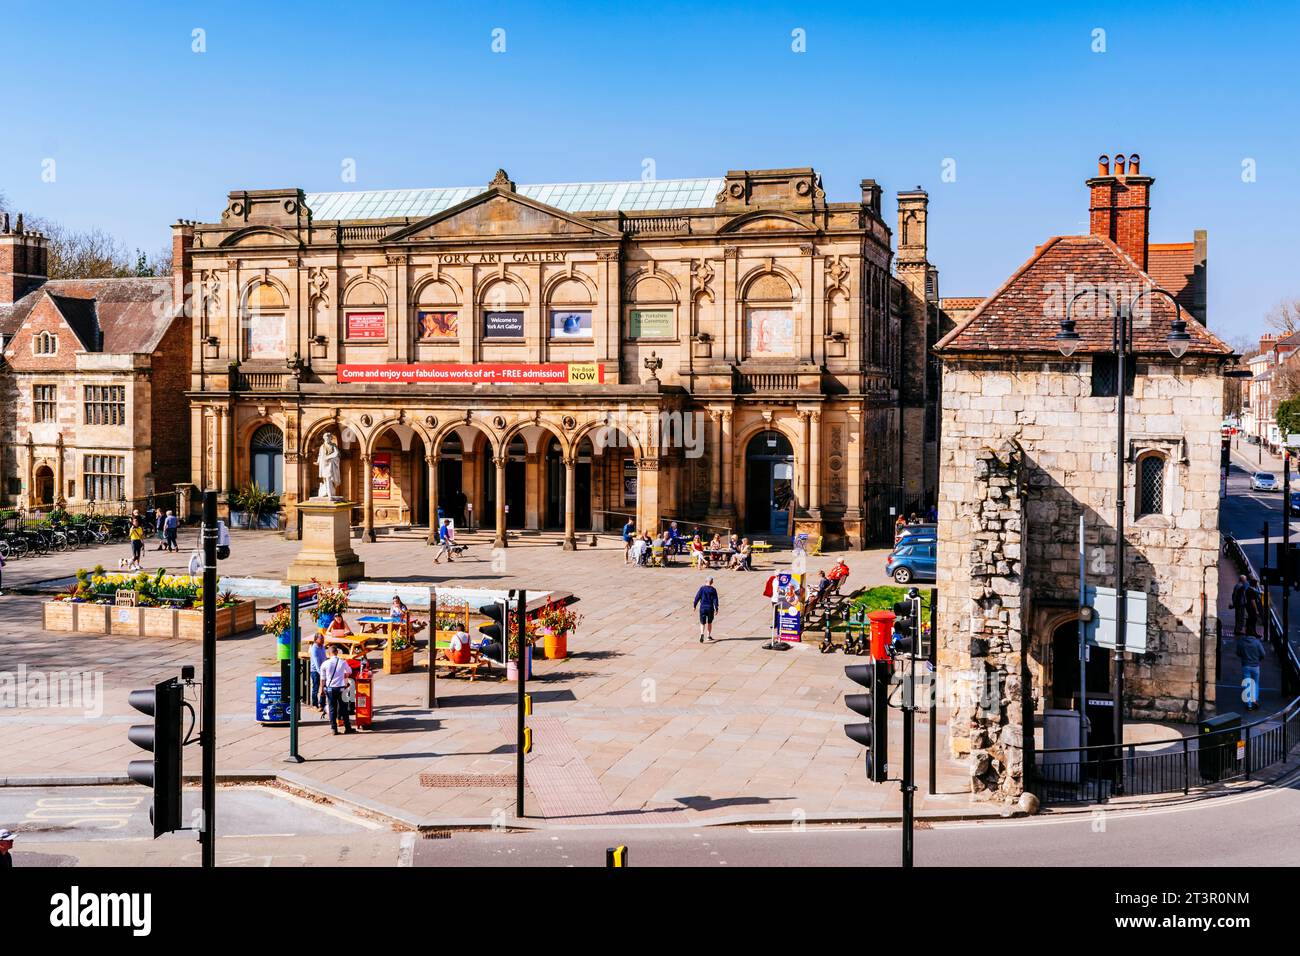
[
  {"x": 1286, "y": 378},
  {"x": 1284, "y": 316},
  {"x": 1288, "y": 417}
]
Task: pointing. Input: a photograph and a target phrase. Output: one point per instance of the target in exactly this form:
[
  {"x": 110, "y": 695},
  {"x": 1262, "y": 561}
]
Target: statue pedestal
[{"x": 326, "y": 554}]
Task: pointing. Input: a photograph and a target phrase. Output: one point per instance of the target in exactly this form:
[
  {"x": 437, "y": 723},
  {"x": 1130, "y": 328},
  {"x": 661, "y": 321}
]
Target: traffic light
[
  {"x": 162, "y": 738},
  {"x": 905, "y": 628},
  {"x": 496, "y": 613},
  {"x": 874, "y": 705}
]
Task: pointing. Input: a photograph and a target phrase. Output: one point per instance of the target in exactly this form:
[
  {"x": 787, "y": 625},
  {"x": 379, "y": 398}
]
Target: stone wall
[
  {"x": 989, "y": 705},
  {"x": 1068, "y": 442}
]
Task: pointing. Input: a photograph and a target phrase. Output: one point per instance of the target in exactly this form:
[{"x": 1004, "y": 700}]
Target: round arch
[
  {"x": 741, "y": 487},
  {"x": 554, "y": 282},
  {"x": 350, "y": 295},
  {"x": 504, "y": 278},
  {"x": 260, "y": 280},
  {"x": 430, "y": 279},
  {"x": 758, "y": 272},
  {"x": 589, "y": 429}
]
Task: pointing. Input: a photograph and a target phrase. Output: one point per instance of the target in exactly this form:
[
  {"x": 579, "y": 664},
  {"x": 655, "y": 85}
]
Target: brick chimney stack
[
  {"x": 183, "y": 264},
  {"x": 24, "y": 262},
  {"x": 1120, "y": 207}
]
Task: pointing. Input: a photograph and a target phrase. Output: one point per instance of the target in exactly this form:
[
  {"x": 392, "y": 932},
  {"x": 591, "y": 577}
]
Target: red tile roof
[
  {"x": 1025, "y": 314},
  {"x": 133, "y": 314},
  {"x": 1173, "y": 266}
]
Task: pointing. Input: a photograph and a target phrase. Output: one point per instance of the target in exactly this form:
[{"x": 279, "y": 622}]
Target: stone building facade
[
  {"x": 737, "y": 351},
  {"x": 93, "y": 379},
  {"x": 1013, "y": 407}
]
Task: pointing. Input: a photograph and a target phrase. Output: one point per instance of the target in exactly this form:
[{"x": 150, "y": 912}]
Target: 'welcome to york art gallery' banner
[{"x": 550, "y": 373}]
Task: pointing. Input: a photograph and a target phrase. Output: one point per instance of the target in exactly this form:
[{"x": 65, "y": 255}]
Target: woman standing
[{"x": 137, "y": 543}]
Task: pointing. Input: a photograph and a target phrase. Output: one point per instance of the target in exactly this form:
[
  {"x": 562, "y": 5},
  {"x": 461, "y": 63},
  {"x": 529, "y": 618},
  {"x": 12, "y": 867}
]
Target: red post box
[
  {"x": 363, "y": 705},
  {"x": 882, "y": 633}
]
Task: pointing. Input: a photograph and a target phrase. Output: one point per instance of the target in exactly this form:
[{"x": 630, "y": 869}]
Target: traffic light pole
[
  {"x": 932, "y": 654},
  {"x": 909, "y": 759},
  {"x": 295, "y": 642},
  {"x": 208, "y": 731},
  {"x": 433, "y": 649},
  {"x": 1284, "y": 563}
]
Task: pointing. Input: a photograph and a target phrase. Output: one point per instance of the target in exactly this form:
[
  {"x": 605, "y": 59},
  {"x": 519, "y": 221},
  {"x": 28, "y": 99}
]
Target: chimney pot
[
  {"x": 1119, "y": 164},
  {"x": 1133, "y": 160},
  {"x": 1103, "y": 165}
]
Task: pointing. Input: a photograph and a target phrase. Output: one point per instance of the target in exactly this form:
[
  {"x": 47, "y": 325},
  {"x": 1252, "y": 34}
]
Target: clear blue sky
[{"x": 145, "y": 131}]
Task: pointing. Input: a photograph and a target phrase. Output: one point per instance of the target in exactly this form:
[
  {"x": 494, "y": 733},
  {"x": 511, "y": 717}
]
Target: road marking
[
  {"x": 406, "y": 850},
  {"x": 325, "y": 808}
]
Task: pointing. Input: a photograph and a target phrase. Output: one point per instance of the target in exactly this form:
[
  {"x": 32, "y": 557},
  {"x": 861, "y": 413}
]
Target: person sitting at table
[
  {"x": 734, "y": 544},
  {"x": 339, "y": 627},
  {"x": 674, "y": 538},
  {"x": 823, "y": 583},
  {"x": 636, "y": 550},
  {"x": 697, "y": 552},
  {"x": 458, "y": 652},
  {"x": 647, "y": 546},
  {"x": 839, "y": 572},
  {"x": 743, "y": 559},
  {"x": 398, "y": 611}
]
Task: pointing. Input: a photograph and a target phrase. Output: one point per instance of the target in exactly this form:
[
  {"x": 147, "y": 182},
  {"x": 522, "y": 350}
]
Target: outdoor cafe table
[{"x": 717, "y": 557}]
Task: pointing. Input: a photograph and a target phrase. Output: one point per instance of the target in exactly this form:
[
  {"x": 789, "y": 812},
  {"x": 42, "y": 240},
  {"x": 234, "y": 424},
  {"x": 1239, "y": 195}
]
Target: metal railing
[
  {"x": 1097, "y": 773},
  {"x": 1094, "y": 774}
]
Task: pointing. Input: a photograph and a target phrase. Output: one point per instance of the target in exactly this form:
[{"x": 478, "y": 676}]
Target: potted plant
[
  {"x": 556, "y": 622},
  {"x": 254, "y": 503},
  {"x": 399, "y": 654},
  {"x": 330, "y": 603},
  {"x": 512, "y": 653}
]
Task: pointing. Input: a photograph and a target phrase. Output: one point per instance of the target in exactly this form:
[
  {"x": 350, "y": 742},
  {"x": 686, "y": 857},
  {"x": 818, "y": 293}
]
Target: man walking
[
  {"x": 316, "y": 660},
  {"x": 444, "y": 542},
  {"x": 706, "y": 600},
  {"x": 170, "y": 526},
  {"x": 334, "y": 675},
  {"x": 628, "y": 529},
  {"x": 1250, "y": 651},
  {"x": 1253, "y": 608},
  {"x": 1238, "y": 604}
]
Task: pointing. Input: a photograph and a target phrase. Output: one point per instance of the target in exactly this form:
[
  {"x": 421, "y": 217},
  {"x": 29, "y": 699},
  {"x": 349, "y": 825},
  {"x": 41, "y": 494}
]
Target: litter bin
[{"x": 1217, "y": 748}]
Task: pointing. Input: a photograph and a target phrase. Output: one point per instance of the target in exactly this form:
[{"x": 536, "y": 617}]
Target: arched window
[
  {"x": 1151, "y": 485},
  {"x": 264, "y": 322},
  {"x": 46, "y": 343},
  {"x": 266, "y": 449},
  {"x": 770, "y": 330}
]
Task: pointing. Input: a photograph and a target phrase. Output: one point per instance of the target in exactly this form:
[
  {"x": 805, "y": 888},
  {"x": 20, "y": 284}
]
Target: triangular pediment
[{"x": 502, "y": 214}]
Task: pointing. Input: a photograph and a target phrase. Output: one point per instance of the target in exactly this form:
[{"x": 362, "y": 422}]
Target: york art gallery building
[{"x": 736, "y": 351}]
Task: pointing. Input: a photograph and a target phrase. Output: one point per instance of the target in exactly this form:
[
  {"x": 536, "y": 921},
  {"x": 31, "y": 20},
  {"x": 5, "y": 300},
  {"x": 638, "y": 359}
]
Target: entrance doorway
[
  {"x": 516, "y": 486},
  {"x": 1065, "y": 682},
  {"x": 451, "y": 494},
  {"x": 769, "y": 483},
  {"x": 555, "y": 490},
  {"x": 43, "y": 486}
]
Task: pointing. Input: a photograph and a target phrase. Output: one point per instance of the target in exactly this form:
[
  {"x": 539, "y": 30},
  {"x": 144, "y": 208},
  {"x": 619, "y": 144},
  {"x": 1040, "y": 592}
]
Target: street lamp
[{"x": 1068, "y": 341}]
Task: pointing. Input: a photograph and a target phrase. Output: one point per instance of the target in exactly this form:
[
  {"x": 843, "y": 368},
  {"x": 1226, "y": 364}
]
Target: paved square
[{"x": 641, "y": 724}]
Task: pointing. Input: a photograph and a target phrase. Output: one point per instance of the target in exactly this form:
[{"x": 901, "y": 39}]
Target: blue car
[
  {"x": 1295, "y": 502},
  {"x": 912, "y": 562}
]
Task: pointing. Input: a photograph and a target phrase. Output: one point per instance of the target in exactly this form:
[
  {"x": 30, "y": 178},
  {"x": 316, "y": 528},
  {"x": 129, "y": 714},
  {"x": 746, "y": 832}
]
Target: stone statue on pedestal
[{"x": 327, "y": 464}]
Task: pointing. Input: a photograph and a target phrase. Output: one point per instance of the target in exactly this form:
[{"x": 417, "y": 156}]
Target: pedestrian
[
  {"x": 196, "y": 564},
  {"x": 628, "y": 530},
  {"x": 316, "y": 660},
  {"x": 6, "y": 844},
  {"x": 334, "y": 674},
  {"x": 706, "y": 600},
  {"x": 159, "y": 527},
  {"x": 2, "y": 574},
  {"x": 1238, "y": 604},
  {"x": 171, "y": 525},
  {"x": 1250, "y": 651},
  {"x": 137, "y": 543},
  {"x": 1254, "y": 608},
  {"x": 445, "y": 538}
]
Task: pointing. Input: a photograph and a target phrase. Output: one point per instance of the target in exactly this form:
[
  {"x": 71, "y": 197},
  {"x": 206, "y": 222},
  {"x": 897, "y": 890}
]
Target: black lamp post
[{"x": 1067, "y": 340}]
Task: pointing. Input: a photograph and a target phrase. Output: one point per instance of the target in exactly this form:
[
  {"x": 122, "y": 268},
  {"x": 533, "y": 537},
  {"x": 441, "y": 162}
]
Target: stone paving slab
[{"x": 642, "y": 724}]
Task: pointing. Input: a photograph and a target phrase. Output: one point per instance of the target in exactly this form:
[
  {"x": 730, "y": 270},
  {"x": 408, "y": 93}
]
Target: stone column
[
  {"x": 715, "y": 452},
  {"x": 58, "y": 498},
  {"x": 570, "y": 501},
  {"x": 500, "y": 461},
  {"x": 31, "y": 473},
  {"x": 815, "y": 464},
  {"x": 432, "y": 461},
  {"x": 805, "y": 472},
  {"x": 368, "y": 507},
  {"x": 728, "y": 464}
]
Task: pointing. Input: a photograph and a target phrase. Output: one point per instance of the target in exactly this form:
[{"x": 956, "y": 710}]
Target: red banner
[{"x": 550, "y": 373}]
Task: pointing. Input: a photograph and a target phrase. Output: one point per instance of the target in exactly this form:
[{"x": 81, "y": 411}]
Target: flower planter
[
  {"x": 126, "y": 621},
  {"x": 399, "y": 662},
  {"x": 59, "y": 615},
  {"x": 556, "y": 646},
  {"x": 512, "y": 667},
  {"x": 92, "y": 619},
  {"x": 159, "y": 621}
]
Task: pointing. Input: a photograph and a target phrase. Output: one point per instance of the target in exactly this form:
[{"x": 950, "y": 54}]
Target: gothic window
[
  {"x": 45, "y": 343},
  {"x": 1151, "y": 485}
]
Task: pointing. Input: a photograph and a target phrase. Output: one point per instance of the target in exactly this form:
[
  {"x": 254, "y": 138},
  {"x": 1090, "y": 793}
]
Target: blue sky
[{"x": 144, "y": 131}]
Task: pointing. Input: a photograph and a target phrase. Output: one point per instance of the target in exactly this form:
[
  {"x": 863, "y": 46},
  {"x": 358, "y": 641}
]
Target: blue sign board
[{"x": 271, "y": 707}]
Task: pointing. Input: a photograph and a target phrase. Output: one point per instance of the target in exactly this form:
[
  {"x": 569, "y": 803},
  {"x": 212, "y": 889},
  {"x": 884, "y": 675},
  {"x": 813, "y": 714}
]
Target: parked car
[
  {"x": 1264, "y": 481},
  {"x": 908, "y": 531},
  {"x": 1295, "y": 502},
  {"x": 912, "y": 561}
]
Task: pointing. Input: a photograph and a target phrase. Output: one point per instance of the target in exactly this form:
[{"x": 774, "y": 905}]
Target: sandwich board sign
[{"x": 1101, "y": 629}]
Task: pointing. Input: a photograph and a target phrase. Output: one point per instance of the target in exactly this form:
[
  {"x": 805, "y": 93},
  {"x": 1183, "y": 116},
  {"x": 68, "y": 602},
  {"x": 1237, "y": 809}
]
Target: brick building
[
  {"x": 1028, "y": 445},
  {"x": 91, "y": 386},
  {"x": 736, "y": 350}
]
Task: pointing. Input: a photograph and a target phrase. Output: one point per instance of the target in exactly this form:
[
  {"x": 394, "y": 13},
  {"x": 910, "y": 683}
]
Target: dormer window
[{"x": 45, "y": 343}]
